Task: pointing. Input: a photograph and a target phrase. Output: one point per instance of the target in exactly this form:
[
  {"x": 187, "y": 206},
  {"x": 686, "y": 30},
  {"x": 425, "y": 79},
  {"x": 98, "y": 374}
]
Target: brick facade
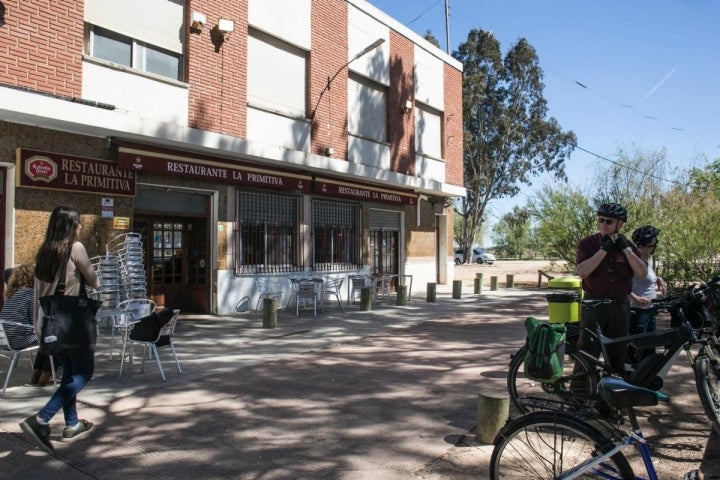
[
  {"x": 452, "y": 127},
  {"x": 216, "y": 71},
  {"x": 401, "y": 126},
  {"x": 41, "y": 46},
  {"x": 329, "y": 53}
]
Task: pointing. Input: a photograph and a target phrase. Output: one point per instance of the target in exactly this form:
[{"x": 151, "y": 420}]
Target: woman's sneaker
[
  {"x": 39, "y": 433},
  {"x": 70, "y": 433}
]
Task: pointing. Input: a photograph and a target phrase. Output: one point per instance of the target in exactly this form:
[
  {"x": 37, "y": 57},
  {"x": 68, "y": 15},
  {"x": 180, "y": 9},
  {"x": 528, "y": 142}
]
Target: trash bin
[
  {"x": 563, "y": 307},
  {"x": 566, "y": 283}
]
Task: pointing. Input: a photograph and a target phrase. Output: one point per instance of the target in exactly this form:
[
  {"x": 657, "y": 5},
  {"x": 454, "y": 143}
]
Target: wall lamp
[
  {"x": 197, "y": 21},
  {"x": 407, "y": 107},
  {"x": 221, "y": 32}
]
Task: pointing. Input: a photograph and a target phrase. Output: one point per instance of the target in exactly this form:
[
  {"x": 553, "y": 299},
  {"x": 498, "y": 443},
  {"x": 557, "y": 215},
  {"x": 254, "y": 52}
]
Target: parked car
[{"x": 478, "y": 256}]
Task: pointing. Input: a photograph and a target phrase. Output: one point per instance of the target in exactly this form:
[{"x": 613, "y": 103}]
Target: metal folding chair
[
  {"x": 5, "y": 346},
  {"x": 150, "y": 347},
  {"x": 331, "y": 287}
]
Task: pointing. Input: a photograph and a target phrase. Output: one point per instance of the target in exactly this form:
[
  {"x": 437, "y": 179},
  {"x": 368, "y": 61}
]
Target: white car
[{"x": 478, "y": 256}]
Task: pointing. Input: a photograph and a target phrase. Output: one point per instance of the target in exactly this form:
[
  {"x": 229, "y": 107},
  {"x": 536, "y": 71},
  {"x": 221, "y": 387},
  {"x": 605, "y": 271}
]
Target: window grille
[
  {"x": 268, "y": 237},
  {"x": 337, "y": 236}
]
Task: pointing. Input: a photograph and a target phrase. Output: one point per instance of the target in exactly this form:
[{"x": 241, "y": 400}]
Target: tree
[
  {"x": 431, "y": 38},
  {"x": 507, "y": 138},
  {"x": 564, "y": 215},
  {"x": 511, "y": 233}
]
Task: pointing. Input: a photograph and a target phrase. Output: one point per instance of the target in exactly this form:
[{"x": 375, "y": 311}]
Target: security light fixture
[{"x": 197, "y": 21}]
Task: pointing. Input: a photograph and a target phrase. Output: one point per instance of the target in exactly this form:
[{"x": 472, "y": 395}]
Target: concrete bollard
[
  {"x": 457, "y": 289},
  {"x": 510, "y": 281},
  {"x": 431, "y": 291},
  {"x": 269, "y": 312},
  {"x": 401, "y": 295},
  {"x": 492, "y": 413},
  {"x": 478, "y": 282},
  {"x": 366, "y": 299},
  {"x": 493, "y": 283}
]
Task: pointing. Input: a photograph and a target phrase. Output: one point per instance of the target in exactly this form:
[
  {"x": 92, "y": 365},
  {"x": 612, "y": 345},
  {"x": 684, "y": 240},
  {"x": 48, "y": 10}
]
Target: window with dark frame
[
  {"x": 337, "y": 235},
  {"x": 268, "y": 237}
]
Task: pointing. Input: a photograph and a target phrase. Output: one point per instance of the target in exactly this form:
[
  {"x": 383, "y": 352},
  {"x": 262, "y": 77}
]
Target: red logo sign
[{"x": 41, "y": 169}]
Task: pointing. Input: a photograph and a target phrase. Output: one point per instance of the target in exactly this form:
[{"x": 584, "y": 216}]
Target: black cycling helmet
[
  {"x": 613, "y": 210},
  {"x": 645, "y": 235}
]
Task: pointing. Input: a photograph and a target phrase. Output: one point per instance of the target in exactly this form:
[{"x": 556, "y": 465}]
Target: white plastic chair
[
  {"x": 126, "y": 313},
  {"x": 5, "y": 346},
  {"x": 268, "y": 289},
  {"x": 332, "y": 287},
  {"x": 150, "y": 347}
]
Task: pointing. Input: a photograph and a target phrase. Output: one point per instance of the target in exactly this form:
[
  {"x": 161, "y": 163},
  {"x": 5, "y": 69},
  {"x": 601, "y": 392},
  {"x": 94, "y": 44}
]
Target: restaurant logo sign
[
  {"x": 41, "y": 169},
  {"x": 54, "y": 171}
]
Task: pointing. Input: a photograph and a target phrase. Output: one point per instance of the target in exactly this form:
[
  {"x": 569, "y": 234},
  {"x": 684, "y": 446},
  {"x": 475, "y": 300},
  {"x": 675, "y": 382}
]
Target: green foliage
[
  {"x": 686, "y": 211},
  {"x": 431, "y": 38},
  {"x": 507, "y": 138},
  {"x": 564, "y": 215},
  {"x": 511, "y": 234}
]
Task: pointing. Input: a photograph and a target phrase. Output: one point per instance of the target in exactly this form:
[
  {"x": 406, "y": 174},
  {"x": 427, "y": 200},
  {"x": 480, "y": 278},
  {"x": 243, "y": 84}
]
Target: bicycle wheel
[
  {"x": 544, "y": 445},
  {"x": 708, "y": 386},
  {"x": 577, "y": 385}
]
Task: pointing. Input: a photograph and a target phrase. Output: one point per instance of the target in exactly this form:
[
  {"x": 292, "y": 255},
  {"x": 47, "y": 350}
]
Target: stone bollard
[
  {"x": 401, "y": 295},
  {"x": 366, "y": 299},
  {"x": 431, "y": 291},
  {"x": 457, "y": 289},
  {"x": 493, "y": 283},
  {"x": 492, "y": 413},
  {"x": 510, "y": 281},
  {"x": 478, "y": 282},
  {"x": 269, "y": 312}
]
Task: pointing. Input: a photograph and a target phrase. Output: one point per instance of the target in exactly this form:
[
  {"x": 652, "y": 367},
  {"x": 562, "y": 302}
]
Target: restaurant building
[{"x": 242, "y": 139}]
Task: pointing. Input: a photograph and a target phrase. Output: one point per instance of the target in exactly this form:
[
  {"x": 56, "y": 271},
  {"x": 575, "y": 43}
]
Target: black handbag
[{"x": 69, "y": 321}]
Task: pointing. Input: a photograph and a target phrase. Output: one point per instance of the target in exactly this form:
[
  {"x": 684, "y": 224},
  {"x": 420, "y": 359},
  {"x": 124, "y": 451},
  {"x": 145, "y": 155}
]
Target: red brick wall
[
  {"x": 453, "y": 129},
  {"x": 401, "y": 126},
  {"x": 41, "y": 45},
  {"x": 217, "y": 72},
  {"x": 329, "y": 51}
]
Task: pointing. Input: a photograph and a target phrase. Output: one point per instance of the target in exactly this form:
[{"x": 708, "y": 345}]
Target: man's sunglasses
[{"x": 608, "y": 221}]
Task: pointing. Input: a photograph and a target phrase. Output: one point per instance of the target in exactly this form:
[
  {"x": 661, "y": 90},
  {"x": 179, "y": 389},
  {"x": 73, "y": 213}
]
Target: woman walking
[{"x": 78, "y": 366}]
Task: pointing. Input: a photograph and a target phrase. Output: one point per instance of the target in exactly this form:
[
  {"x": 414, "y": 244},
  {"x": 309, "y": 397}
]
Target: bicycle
[
  {"x": 582, "y": 370},
  {"x": 562, "y": 445}
]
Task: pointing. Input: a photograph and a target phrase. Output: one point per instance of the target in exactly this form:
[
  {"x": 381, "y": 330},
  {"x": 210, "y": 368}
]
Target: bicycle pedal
[{"x": 693, "y": 475}]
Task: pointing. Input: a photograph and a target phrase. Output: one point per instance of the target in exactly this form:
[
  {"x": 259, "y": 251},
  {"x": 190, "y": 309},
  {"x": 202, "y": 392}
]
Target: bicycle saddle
[{"x": 621, "y": 395}]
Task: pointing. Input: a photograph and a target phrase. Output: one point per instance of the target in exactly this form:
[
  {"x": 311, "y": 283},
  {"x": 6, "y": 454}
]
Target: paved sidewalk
[{"x": 385, "y": 394}]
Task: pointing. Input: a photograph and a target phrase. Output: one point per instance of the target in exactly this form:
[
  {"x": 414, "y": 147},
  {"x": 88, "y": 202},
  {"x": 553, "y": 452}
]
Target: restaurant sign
[
  {"x": 200, "y": 168},
  {"x": 55, "y": 171},
  {"x": 367, "y": 193}
]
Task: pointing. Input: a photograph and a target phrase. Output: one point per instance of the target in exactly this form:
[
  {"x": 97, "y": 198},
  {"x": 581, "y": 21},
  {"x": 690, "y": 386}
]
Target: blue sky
[{"x": 651, "y": 70}]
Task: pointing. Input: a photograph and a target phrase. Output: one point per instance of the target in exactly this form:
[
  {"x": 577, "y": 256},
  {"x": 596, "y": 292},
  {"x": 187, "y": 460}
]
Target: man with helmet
[
  {"x": 644, "y": 290},
  {"x": 607, "y": 263}
]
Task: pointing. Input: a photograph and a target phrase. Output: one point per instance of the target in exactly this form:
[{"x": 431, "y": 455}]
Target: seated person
[{"x": 18, "y": 308}]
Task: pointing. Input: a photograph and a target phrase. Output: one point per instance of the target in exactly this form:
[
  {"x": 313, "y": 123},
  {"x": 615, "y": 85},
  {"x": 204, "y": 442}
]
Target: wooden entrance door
[
  {"x": 178, "y": 266},
  {"x": 384, "y": 252}
]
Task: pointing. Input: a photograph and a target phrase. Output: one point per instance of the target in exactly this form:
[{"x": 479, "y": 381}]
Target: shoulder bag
[{"x": 69, "y": 321}]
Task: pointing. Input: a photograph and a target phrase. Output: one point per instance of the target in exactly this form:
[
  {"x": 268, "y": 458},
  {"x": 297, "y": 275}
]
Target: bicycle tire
[
  {"x": 708, "y": 387},
  {"x": 575, "y": 386},
  {"x": 544, "y": 444}
]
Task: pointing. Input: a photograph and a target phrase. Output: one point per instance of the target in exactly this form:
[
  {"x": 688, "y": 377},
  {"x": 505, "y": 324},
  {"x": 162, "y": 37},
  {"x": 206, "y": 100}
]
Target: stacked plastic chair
[
  {"x": 110, "y": 291},
  {"x": 129, "y": 250}
]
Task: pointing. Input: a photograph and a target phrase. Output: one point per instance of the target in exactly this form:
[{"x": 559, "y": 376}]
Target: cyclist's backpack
[{"x": 545, "y": 350}]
